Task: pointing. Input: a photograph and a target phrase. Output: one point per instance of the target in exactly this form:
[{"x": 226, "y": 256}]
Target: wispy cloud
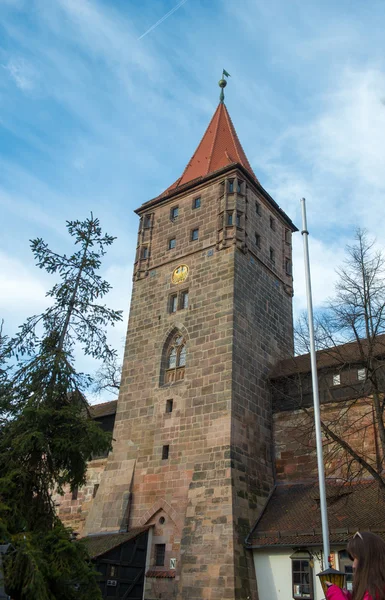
[
  {"x": 93, "y": 118},
  {"x": 170, "y": 12},
  {"x": 22, "y": 73}
]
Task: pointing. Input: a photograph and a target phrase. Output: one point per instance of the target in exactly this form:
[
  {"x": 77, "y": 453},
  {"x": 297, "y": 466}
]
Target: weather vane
[{"x": 222, "y": 84}]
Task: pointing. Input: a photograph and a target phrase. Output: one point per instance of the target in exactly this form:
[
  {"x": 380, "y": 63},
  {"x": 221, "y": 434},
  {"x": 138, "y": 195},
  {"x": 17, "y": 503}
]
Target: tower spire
[{"x": 222, "y": 84}]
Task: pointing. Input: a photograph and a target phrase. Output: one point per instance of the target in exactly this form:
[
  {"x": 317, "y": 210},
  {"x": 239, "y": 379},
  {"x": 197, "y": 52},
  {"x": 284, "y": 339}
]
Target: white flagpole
[{"x": 317, "y": 415}]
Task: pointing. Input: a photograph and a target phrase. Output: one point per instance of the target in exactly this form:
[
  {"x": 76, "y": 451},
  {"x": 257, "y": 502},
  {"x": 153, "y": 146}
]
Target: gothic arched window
[{"x": 175, "y": 359}]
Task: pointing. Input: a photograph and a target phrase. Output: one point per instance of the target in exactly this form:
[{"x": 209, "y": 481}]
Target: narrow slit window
[
  {"x": 258, "y": 209},
  {"x": 257, "y": 240},
  {"x": 272, "y": 255},
  {"x": 172, "y": 243},
  {"x": 174, "y": 213},
  {"x": 169, "y": 405},
  {"x": 160, "y": 554},
  {"x": 238, "y": 220},
  {"x": 196, "y": 203},
  {"x": 144, "y": 252},
  {"x": 231, "y": 186},
  {"x": 182, "y": 357},
  {"x": 194, "y": 234},
  {"x": 229, "y": 219},
  {"x": 165, "y": 452},
  {"x": 361, "y": 374},
  {"x": 239, "y": 187},
  {"x": 147, "y": 221},
  {"x": 75, "y": 493},
  {"x": 96, "y": 487},
  {"x": 272, "y": 223},
  {"x": 173, "y": 303},
  {"x": 288, "y": 266},
  {"x": 184, "y": 299}
]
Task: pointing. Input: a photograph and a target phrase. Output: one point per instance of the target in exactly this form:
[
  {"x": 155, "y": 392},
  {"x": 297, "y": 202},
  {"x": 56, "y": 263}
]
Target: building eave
[{"x": 202, "y": 180}]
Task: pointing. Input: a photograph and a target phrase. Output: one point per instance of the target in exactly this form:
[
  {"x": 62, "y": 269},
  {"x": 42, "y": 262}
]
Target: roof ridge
[
  {"x": 218, "y": 110},
  {"x": 217, "y": 148}
]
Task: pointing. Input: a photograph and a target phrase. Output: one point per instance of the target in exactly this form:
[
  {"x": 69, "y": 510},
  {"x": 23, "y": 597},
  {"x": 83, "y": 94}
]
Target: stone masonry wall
[
  {"x": 74, "y": 511},
  {"x": 294, "y": 438},
  {"x": 262, "y": 334},
  {"x": 204, "y": 496},
  {"x": 191, "y": 490}
]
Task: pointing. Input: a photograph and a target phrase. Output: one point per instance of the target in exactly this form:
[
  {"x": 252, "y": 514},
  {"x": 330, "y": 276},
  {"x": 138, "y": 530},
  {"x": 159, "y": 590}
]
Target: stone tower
[{"x": 211, "y": 311}]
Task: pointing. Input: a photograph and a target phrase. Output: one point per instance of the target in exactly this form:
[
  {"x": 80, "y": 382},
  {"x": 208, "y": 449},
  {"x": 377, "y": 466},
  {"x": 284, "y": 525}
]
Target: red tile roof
[
  {"x": 218, "y": 148},
  {"x": 170, "y": 574},
  {"x": 292, "y": 515}
]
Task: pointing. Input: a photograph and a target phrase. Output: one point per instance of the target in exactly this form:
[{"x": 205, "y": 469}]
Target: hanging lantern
[{"x": 333, "y": 576}]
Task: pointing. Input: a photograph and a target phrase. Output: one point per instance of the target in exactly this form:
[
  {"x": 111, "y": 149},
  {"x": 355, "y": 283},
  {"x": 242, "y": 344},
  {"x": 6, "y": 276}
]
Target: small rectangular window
[
  {"x": 272, "y": 223},
  {"x": 165, "y": 452},
  {"x": 238, "y": 220},
  {"x": 239, "y": 186},
  {"x": 302, "y": 578},
  {"x": 144, "y": 252},
  {"x": 169, "y": 404},
  {"x": 257, "y": 240},
  {"x": 361, "y": 374},
  {"x": 171, "y": 243},
  {"x": 96, "y": 487},
  {"x": 147, "y": 221},
  {"x": 288, "y": 266},
  {"x": 258, "y": 208},
  {"x": 287, "y": 236},
  {"x": 231, "y": 186},
  {"x": 272, "y": 255},
  {"x": 196, "y": 203},
  {"x": 229, "y": 219},
  {"x": 194, "y": 234},
  {"x": 75, "y": 493},
  {"x": 337, "y": 379},
  {"x": 184, "y": 299},
  {"x": 346, "y": 565},
  {"x": 160, "y": 554},
  {"x": 174, "y": 212},
  {"x": 173, "y": 303}
]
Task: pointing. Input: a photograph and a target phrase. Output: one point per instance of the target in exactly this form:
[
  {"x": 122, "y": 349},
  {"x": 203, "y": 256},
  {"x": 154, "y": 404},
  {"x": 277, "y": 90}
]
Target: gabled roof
[
  {"x": 103, "y": 410},
  {"x": 102, "y": 543},
  {"x": 344, "y": 354},
  {"x": 292, "y": 515},
  {"x": 218, "y": 148}
]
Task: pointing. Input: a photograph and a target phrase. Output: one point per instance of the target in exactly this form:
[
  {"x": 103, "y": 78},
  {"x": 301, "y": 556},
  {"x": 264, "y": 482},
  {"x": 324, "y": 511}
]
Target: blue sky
[{"x": 94, "y": 118}]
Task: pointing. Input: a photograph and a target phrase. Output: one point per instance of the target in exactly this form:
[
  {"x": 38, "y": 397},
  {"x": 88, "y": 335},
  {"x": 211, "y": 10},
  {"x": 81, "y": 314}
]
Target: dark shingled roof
[
  {"x": 331, "y": 357},
  {"x": 292, "y": 515},
  {"x": 102, "y": 543},
  {"x": 103, "y": 410}
]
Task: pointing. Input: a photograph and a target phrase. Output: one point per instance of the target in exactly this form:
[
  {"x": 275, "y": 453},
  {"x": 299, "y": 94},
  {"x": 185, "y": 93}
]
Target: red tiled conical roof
[{"x": 218, "y": 148}]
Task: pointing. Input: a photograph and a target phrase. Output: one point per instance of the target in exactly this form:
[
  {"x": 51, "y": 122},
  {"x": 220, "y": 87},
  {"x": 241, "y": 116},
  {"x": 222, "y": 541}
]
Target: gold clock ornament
[{"x": 179, "y": 274}]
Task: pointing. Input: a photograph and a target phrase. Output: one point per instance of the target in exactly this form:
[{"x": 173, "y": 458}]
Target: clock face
[{"x": 179, "y": 274}]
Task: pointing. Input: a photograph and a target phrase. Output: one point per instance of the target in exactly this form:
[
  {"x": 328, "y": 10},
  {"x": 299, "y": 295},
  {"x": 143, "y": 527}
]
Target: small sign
[
  {"x": 179, "y": 274},
  {"x": 112, "y": 582},
  {"x": 172, "y": 563}
]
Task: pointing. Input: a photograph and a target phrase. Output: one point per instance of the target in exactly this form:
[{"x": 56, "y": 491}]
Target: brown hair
[{"x": 369, "y": 575}]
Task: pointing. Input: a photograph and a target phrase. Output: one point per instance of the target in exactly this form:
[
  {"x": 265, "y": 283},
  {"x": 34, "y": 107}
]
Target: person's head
[{"x": 367, "y": 550}]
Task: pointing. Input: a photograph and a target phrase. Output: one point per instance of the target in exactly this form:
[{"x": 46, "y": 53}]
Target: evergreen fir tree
[{"x": 46, "y": 433}]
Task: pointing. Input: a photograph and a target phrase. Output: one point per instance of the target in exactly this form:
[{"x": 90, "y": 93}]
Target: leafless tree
[
  {"x": 350, "y": 338},
  {"x": 107, "y": 378}
]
